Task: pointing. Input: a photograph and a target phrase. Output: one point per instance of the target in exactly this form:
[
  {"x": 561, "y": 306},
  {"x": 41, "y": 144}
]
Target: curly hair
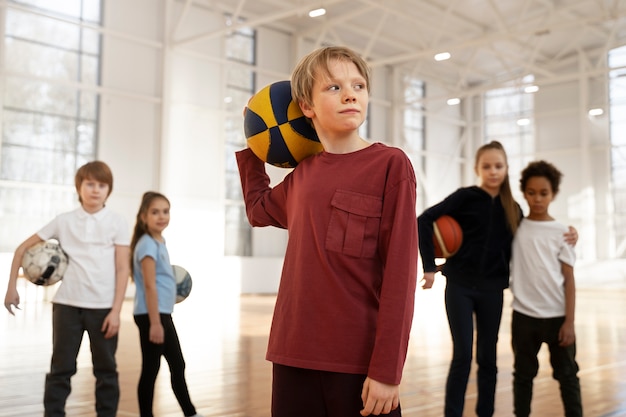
[{"x": 541, "y": 169}]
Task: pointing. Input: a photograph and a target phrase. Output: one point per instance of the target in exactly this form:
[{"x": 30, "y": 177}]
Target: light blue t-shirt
[{"x": 165, "y": 281}]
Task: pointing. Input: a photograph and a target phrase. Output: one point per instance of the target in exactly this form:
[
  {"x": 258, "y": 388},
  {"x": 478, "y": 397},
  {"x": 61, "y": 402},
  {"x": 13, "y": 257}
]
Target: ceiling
[{"x": 490, "y": 42}]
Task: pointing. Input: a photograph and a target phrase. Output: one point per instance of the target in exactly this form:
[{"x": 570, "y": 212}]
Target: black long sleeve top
[{"x": 482, "y": 262}]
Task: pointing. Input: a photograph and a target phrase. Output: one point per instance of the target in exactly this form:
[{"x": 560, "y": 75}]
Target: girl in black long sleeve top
[
  {"x": 482, "y": 262},
  {"x": 476, "y": 275}
]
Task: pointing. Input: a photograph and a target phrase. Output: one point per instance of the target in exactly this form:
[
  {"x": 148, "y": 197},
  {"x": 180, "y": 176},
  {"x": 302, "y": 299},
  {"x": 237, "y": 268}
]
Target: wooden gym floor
[{"x": 224, "y": 340}]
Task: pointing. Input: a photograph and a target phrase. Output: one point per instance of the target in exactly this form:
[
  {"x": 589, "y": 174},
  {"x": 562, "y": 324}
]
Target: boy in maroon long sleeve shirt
[{"x": 345, "y": 303}]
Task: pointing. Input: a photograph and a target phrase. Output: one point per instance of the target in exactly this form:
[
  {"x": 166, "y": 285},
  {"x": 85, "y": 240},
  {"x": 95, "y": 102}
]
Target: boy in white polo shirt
[{"x": 90, "y": 296}]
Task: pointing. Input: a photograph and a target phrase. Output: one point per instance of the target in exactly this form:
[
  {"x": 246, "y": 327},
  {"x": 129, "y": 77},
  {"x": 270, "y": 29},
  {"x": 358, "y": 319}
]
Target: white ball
[
  {"x": 44, "y": 263},
  {"x": 183, "y": 283}
]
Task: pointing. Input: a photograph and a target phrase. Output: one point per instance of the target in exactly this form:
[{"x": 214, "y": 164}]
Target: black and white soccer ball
[{"x": 44, "y": 263}]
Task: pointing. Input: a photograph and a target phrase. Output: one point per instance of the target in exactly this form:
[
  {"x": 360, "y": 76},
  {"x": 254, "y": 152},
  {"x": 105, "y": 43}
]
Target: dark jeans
[
  {"x": 528, "y": 334},
  {"x": 151, "y": 362},
  {"x": 298, "y": 392},
  {"x": 463, "y": 305},
  {"x": 68, "y": 325}
]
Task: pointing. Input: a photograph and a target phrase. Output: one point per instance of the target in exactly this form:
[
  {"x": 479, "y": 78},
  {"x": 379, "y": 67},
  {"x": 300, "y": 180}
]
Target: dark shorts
[{"x": 298, "y": 392}]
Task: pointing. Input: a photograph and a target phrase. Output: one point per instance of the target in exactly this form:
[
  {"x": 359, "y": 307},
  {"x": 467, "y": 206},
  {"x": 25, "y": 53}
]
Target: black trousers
[
  {"x": 68, "y": 326},
  {"x": 464, "y": 306},
  {"x": 151, "y": 362},
  {"x": 298, "y": 392},
  {"x": 527, "y": 336}
]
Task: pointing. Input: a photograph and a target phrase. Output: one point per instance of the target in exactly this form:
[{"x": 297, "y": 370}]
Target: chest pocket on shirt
[{"x": 354, "y": 224}]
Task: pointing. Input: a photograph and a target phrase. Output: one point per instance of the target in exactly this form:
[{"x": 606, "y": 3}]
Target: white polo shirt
[{"x": 89, "y": 241}]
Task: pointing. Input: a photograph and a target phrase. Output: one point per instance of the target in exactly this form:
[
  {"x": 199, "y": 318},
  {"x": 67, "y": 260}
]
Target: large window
[
  {"x": 49, "y": 108},
  {"x": 413, "y": 123},
  {"x": 509, "y": 120},
  {"x": 617, "y": 94},
  {"x": 240, "y": 50}
]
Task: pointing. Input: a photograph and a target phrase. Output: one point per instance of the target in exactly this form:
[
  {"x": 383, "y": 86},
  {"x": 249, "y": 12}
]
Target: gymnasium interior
[{"x": 156, "y": 89}]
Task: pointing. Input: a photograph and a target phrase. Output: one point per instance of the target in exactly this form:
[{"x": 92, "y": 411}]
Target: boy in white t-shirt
[
  {"x": 91, "y": 293},
  {"x": 544, "y": 294}
]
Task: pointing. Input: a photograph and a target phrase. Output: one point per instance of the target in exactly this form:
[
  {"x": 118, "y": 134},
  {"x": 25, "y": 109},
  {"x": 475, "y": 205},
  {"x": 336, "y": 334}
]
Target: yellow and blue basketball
[{"x": 276, "y": 129}]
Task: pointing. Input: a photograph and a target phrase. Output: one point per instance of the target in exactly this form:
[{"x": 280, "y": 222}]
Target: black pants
[
  {"x": 151, "y": 362},
  {"x": 463, "y": 305},
  {"x": 528, "y": 334},
  {"x": 68, "y": 326},
  {"x": 298, "y": 392}
]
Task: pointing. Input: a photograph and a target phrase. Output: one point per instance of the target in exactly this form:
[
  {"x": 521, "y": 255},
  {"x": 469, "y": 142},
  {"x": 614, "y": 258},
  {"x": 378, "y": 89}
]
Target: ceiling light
[
  {"x": 453, "y": 101},
  {"x": 531, "y": 89},
  {"x": 442, "y": 56},
  {"x": 523, "y": 122},
  {"x": 596, "y": 112},
  {"x": 317, "y": 12}
]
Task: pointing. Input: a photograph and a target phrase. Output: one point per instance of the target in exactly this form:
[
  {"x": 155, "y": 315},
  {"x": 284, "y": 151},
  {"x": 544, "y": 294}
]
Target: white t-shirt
[
  {"x": 89, "y": 241},
  {"x": 536, "y": 278}
]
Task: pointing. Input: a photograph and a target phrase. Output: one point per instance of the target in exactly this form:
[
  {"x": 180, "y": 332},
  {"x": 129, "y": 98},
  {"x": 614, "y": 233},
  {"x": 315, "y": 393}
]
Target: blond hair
[{"x": 316, "y": 65}]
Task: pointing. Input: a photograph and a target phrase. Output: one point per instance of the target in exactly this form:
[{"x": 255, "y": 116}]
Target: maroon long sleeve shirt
[{"x": 346, "y": 296}]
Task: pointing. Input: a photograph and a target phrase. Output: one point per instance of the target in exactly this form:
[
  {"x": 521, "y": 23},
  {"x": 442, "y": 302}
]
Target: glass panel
[
  {"x": 503, "y": 108},
  {"x": 413, "y": 119},
  {"x": 38, "y": 131},
  {"x": 413, "y": 141},
  {"x": 90, "y": 41},
  {"x": 240, "y": 86},
  {"x": 89, "y": 69},
  {"x": 238, "y": 236},
  {"x": 240, "y": 47},
  {"x": 37, "y": 165},
  {"x": 18, "y": 203},
  {"x": 42, "y": 97},
  {"x": 86, "y": 139},
  {"x": 499, "y": 128},
  {"x": 238, "y": 98},
  {"x": 40, "y": 60},
  {"x": 617, "y": 100},
  {"x": 42, "y": 29},
  {"x": 92, "y": 10},
  {"x": 66, "y": 7},
  {"x": 89, "y": 105}
]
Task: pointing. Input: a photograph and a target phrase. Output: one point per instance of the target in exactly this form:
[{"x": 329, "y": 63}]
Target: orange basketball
[{"x": 447, "y": 236}]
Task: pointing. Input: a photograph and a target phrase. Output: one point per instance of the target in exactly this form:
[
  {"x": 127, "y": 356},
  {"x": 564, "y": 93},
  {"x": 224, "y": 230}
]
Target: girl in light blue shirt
[{"x": 154, "y": 302}]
